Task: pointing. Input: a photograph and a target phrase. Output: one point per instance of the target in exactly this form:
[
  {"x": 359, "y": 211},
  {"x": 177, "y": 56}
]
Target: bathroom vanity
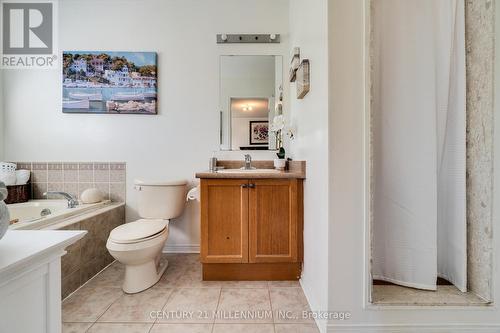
[{"x": 252, "y": 222}]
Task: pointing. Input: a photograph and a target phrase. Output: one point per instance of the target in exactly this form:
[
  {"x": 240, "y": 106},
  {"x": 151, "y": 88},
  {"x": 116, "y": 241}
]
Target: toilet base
[{"x": 143, "y": 276}]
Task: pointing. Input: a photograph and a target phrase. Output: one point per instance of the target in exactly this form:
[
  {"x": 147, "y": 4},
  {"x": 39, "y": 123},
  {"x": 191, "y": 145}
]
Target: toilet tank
[{"x": 161, "y": 200}]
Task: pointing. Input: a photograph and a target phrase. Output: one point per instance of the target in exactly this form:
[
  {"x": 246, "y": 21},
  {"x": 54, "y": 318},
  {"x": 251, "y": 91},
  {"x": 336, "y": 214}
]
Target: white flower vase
[
  {"x": 4, "y": 213},
  {"x": 279, "y": 164}
]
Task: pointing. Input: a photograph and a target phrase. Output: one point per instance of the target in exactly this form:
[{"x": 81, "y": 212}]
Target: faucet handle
[
  {"x": 248, "y": 157},
  {"x": 72, "y": 201}
]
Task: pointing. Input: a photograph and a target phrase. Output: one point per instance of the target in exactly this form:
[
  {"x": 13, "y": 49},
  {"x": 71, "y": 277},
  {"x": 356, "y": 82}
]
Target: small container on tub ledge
[
  {"x": 18, "y": 193},
  {"x": 8, "y": 173}
]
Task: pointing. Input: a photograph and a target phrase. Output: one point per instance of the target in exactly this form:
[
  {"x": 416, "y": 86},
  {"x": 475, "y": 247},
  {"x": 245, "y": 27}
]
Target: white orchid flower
[{"x": 278, "y": 123}]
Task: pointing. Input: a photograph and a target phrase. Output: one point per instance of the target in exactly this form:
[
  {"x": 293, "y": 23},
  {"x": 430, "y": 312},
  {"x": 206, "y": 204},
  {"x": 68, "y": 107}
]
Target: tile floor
[{"x": 182, "y": 302}]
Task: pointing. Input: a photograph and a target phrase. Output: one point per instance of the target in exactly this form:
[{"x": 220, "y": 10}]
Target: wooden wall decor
[{"x": 303, "y": 79}]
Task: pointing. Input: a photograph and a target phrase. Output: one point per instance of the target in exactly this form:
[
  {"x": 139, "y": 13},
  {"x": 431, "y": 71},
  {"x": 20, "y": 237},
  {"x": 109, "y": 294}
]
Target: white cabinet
[{"x": 30, "y": 279}]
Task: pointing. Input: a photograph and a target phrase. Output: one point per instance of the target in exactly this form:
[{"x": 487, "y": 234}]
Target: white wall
[
  {"x": 177, "y": 142},
  {"x": 308, "y": 30},
  {"x": 349, "y": 233}
]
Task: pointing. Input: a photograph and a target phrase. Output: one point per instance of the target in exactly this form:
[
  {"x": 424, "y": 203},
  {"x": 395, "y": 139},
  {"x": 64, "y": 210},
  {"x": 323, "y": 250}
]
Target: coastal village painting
[{"x": 109, "y": 82}]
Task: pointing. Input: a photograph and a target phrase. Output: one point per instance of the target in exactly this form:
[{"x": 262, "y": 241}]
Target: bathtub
[
  {"x": 39, "y": 214},
  {"x": 89, "y": 255}
]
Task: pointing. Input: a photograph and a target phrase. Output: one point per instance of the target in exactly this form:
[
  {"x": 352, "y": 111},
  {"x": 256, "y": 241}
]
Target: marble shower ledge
[{"x": 392, "y": 295}]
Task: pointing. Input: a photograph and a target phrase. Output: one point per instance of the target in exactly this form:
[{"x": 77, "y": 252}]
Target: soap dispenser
[{"x": 212, "y": 163}]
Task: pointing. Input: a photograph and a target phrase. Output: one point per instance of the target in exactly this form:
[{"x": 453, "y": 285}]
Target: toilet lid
[{"x": 137, "y": 230}]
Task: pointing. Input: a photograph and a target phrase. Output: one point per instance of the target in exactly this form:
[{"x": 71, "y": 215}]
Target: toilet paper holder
[{"x": 193, "y": 194}]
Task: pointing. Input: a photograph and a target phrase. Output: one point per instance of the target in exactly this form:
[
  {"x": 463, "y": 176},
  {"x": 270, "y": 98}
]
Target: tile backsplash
[{"x": 75, "y": 177}]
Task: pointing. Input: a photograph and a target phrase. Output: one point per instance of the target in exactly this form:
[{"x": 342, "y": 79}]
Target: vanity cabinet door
[
  {"x": 274, "y": 224},
  {"x": 224, "y": 221}
]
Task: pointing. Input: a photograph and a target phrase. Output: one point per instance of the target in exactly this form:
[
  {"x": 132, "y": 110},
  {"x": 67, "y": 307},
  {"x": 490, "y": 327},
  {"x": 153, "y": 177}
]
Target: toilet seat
[
  {"x": 139, "y": 245},
  {"x": 138, "y": 231}
]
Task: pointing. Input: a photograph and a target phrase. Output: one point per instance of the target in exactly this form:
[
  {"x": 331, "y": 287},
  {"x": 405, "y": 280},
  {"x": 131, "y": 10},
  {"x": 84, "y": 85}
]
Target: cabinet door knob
[
  {"x": 251, "y": 185},
  {"x": 244, "y": 185}
]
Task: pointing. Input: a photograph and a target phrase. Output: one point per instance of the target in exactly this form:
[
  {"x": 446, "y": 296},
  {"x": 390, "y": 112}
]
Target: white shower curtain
[{"x": 418, "y": 123}]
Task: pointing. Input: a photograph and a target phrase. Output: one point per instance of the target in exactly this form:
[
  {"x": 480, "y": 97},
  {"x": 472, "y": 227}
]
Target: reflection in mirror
[{"x": 248, "y": 89}]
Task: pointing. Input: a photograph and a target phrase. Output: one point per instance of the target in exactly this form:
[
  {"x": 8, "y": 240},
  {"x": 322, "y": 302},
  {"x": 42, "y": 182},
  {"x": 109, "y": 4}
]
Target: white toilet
[{"x": 138, "y": 245}]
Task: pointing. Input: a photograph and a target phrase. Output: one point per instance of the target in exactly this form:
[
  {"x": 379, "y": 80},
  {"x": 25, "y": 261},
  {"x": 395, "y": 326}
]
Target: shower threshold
[{"x": 447, "y": 295}]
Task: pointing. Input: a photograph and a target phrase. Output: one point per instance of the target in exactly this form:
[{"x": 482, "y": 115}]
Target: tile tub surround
[
  {"x": 75, "y": 177},
  {"x": 101, "y": 305},
  {"x": 88, "y": 256}
]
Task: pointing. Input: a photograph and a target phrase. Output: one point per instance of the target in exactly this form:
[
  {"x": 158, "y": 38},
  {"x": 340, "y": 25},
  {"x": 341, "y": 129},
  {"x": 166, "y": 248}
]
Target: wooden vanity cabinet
[
  {"x": 273, "y": 221},
  {"x": 251, "y": 229},
  {"x": 224, "y": 221}
]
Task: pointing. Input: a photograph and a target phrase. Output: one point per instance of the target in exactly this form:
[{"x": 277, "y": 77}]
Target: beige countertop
[{"x": 296, "y": 169}]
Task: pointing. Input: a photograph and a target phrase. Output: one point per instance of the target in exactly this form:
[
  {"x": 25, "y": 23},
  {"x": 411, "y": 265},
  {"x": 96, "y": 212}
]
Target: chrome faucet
[
  {"x": 72, "y": 201},
  {"x": 248, "y": 162}
]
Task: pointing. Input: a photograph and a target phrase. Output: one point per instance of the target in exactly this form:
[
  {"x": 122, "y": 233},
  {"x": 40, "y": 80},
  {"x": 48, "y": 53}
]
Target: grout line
[
  {"x": 78, "y": 181},
  {"x": 122, "y": 322},
  {"x": 116, "y": 300},
  {"x": 216, "y": 309},
  {"x": 271, "y": 305},
  {"x": 165, "y": 304},
  {"x": 88, "y": 329},
  {"x": 88, "y": 281}
]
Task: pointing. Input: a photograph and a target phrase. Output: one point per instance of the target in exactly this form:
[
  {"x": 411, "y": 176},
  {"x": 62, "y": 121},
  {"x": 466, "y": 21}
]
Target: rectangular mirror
[{"x": 250, "y": 87}]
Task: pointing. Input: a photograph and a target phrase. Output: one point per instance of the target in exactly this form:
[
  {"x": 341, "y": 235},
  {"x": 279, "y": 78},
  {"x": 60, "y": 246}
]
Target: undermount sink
[{"x": 248, "y": 171}]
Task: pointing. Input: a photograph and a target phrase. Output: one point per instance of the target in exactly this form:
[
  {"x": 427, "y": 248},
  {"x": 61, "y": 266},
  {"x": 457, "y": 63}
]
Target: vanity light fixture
[
  {"x": 248, "y": 38},
  {"x": 247, "y": 108}
]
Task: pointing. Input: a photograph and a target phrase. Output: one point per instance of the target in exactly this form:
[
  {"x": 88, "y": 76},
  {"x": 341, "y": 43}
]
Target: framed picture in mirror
[{"x": 259, "y": 132}]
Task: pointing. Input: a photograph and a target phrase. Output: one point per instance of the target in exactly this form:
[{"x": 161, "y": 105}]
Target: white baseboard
[
  {"x": 322, "y": 325},
  {"x": 182, "y": 248},
  {"x": 415, "y": 328}
]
